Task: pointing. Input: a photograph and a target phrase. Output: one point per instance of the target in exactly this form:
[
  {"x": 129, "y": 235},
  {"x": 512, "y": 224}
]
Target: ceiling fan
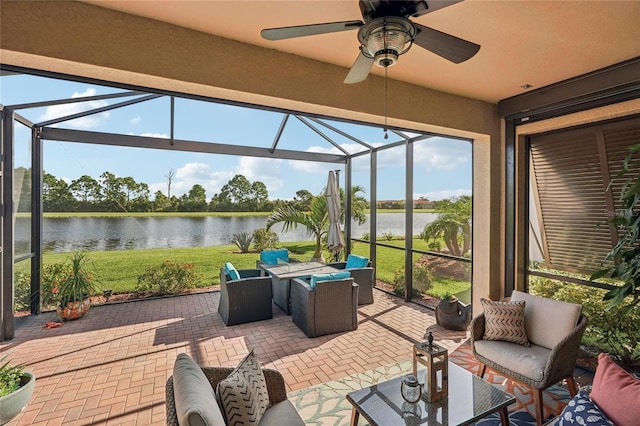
[{"x": 387, "y": 33}]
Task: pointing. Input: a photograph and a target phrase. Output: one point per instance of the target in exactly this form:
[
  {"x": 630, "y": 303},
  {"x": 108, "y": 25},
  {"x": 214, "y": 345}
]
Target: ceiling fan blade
[
  {"x": 449, "y": 47},
  {"x": 307, "y": 30},
  {"x": 359, "y": 70}
]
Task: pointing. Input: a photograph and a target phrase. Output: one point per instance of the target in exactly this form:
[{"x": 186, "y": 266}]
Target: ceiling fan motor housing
[{"x": 373, "y": 9}]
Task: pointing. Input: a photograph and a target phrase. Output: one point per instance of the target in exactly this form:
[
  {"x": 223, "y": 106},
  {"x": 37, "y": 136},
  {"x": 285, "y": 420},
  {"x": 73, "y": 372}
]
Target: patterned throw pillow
[
  {"x": 243, "y": 393},
  {"x": 582, "y": 411},
  {"x": 504, "y": 321}
]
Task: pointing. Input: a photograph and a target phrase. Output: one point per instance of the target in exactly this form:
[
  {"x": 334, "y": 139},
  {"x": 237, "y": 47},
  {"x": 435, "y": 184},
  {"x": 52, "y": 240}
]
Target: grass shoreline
[{"x": 56, "y": 215}]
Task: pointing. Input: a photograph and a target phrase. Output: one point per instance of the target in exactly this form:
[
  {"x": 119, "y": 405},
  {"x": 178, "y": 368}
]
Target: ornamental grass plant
[{"x": 72, "y": 280}]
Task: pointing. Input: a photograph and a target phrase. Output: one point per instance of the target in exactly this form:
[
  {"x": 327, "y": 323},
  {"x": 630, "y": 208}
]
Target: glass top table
[
  {"x": 298, "y": 269},
  {"x": 469, "y": 399}
]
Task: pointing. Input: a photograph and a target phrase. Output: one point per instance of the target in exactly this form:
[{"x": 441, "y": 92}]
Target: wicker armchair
[
  {"x": 245, "y": 300},
  {"x": 275, "y": 387},
  {"x": 330, "y": 307},
  {"x": 542, "y": 364},
  {"x": 365, "y": 279}
]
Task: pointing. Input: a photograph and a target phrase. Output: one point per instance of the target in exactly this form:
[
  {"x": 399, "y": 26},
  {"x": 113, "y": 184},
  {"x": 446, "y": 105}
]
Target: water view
[{"x": 125, "y": 233}]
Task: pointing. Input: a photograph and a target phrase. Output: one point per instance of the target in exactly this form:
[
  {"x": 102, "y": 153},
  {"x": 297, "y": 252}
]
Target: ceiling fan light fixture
[{"x": 386, "y": 39}]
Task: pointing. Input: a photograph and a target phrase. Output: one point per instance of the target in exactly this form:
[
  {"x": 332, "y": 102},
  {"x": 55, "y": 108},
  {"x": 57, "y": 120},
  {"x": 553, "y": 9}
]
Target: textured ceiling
[{"x": 523, "y": 42}]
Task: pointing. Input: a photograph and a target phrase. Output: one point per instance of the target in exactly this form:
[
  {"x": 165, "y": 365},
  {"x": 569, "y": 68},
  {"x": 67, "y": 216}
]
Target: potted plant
[
  {"x": 16, "y": 388},
  {"x": 67, "y": 286},
  {"x": 448, "y": 304},
  {"x": 452, "y": 314},
  {"x": 626, "y": 253}
]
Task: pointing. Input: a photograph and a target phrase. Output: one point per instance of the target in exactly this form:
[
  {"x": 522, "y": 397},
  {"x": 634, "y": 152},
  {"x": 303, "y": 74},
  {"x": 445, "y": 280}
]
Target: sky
[{"x": 442, "y": 166}]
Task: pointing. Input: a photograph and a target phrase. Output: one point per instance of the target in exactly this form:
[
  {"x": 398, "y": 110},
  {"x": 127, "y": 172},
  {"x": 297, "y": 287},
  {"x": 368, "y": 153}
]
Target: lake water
[{"x": 124, "y": 233}]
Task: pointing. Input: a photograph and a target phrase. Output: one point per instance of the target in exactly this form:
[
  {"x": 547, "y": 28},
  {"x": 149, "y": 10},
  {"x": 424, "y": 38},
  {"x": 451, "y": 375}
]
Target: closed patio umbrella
[{"x": 335, "y": 240}]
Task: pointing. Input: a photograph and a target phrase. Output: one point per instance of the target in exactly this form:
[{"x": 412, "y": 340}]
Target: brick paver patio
[{"x": 110, "y": 367}]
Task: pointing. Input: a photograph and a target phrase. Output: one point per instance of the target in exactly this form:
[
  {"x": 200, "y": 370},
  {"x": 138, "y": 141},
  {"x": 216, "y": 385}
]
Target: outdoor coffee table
[
  {"x": 283, "y": 273},
  {"x": 469, "y": 399}
]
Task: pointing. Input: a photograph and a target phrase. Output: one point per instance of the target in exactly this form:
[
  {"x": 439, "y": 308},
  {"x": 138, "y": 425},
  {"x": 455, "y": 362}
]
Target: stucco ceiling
[{"x": 523, "y": 42}]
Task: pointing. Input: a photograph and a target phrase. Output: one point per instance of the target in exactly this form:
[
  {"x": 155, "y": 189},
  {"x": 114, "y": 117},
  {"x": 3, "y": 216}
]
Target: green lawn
[{"x": 118, "y": 270}]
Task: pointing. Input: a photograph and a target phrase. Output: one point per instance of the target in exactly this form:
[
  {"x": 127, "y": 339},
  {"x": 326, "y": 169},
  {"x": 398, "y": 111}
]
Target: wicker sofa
[
  {"x": 245, "y": 300},
  {"x": 281, "y": 411},
  {"x": 330, "y": 307}
]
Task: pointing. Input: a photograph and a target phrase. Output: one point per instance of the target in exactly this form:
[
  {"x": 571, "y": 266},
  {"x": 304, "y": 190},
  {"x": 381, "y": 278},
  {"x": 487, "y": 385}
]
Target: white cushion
[
  {"x": 195, "y": 398},
  {"x": 280, "y": 414},
  {"x": 526, "y": 361},
  {"x": 547, "y": 321}
]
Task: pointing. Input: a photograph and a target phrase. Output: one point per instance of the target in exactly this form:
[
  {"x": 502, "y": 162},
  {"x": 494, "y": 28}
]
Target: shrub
[
  {"x": 366, "y": 236},
  {"x": 264, "y": 239},
  {"x": 421, "y": 280},
  {"x": 388, "y": 236},
  {"x": 242, "y": 240},
  {"x": 168, "y": 278},
  {"x": 435, "y": 245},
  {"x": 608, "y": 330},
  {"x": 22, "y": 292}
]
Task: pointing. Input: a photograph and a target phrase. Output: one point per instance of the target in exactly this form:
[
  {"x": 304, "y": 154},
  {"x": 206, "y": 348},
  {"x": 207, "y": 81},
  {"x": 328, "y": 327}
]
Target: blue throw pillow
[
  {"x": 582, "y": 411},
  {"x": 327, "y": 277},
  {"x": 231, "y": 271},
  {"x": 355, "y": 261},
  {"x": 270, "y": 257}
]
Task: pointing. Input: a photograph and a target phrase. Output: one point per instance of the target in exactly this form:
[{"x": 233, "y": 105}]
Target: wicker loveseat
[{"x": 554, "y": 330}]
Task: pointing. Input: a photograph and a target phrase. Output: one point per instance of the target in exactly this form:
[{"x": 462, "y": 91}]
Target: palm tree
[
  {"x": 453, "y": 225},
  {"x": 359, "y": 204},
  {"x": 316, "y": 220}
]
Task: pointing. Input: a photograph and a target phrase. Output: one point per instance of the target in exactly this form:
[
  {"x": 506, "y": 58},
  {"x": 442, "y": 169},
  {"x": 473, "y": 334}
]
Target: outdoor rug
[{"x": 325, "y": 404}]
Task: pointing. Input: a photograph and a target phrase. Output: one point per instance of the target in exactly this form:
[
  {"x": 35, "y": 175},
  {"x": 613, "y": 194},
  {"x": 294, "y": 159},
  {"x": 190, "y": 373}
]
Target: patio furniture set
[
  {"x": 321, "y": 298},
  {"x": 530, "y": 339}
]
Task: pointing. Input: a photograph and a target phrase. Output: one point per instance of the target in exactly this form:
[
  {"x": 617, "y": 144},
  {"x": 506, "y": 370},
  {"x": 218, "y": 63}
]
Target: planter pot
[
  {"x": 448, "y": 307},
  {"x": 453, "y": 315},
  {"x": 11, "y": 405},
  {"x": 74, "y": 310}
]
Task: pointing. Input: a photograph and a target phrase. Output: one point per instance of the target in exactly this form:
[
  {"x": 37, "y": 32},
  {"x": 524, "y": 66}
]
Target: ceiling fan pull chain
[{"x": 386, "y": 136}]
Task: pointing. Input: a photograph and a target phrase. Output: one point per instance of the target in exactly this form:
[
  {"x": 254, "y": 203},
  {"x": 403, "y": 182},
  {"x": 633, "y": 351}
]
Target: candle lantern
[{"x": 435, "y": 359}]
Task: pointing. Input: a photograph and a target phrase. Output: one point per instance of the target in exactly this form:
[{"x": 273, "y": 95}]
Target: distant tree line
[{"x": 110, "y": 193}]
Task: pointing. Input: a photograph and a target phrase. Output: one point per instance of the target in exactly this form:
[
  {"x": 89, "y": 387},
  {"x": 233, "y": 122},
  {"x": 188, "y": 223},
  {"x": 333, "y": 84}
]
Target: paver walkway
[{"x": 110, "y": 367}]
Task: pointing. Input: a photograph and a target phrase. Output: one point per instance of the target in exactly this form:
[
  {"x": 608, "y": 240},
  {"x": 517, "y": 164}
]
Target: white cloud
[
  {"x": 441, "y": 195},
  {"x": 265, "y": 170},
  {"x": 441, "y": 154},
  {"x": 155, "y": 135},
  {"x": 135, "y": 120},
  {"x": 315, "y": 167},
  {"x": 88, "y": 122}
]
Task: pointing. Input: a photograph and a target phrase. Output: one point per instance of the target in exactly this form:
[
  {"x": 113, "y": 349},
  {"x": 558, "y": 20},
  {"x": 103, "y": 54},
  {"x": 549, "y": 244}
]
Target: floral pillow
[{"x": 582, "y": 411}]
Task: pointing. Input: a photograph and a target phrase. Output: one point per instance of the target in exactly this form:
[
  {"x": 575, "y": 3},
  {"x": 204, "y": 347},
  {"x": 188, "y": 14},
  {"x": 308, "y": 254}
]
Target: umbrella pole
[{"x": 338, "y": 253}]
